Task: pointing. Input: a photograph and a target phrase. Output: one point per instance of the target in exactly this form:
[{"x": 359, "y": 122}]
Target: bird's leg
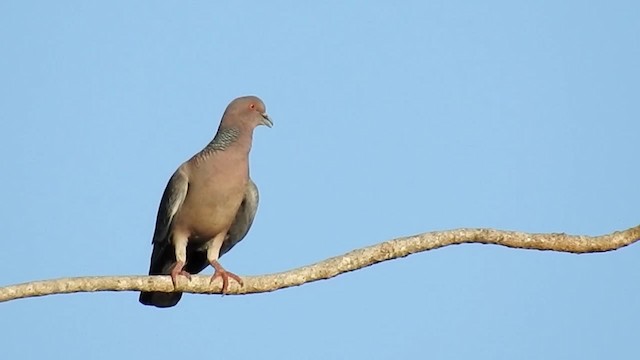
[
  {"x": 178, "y": 270},
  {"x": 225, "y": 275},
  {"x": 213, "y": 252},
  {"x": 180, "y": 245}
]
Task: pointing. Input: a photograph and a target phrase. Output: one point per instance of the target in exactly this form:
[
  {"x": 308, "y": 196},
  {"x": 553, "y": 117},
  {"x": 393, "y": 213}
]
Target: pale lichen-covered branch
[{"x": 329, "y": 268}]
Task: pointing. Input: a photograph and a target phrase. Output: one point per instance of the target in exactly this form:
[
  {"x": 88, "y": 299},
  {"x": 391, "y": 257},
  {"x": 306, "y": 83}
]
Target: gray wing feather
[
  {"x": 163, "y": 256},
  {"x": 244, "y": 218},
  {"x": 172, "y": 199}
]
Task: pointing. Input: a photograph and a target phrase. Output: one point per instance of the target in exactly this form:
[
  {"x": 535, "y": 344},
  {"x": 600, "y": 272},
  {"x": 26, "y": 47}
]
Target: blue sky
[{"x": 390, "y": 120}]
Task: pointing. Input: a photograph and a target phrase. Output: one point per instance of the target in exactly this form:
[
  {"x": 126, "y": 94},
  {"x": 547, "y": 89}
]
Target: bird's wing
[
  {"x": 244, "y": 218},
  {"x": 163, "y": 255},
  {"x": 172, "y": 199}
]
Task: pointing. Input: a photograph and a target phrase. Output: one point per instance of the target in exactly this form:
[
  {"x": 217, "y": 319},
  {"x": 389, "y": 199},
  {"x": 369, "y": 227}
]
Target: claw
[
  {"x": 224, "y": 275},
  {"x": 178, "y": 270}
]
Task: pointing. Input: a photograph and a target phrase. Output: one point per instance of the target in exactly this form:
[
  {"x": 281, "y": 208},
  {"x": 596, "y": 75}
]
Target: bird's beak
[{"x": 266, "y": 120}]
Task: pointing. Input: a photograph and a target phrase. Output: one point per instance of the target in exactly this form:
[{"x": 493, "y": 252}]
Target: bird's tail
[{"x": 160, "y": 299}]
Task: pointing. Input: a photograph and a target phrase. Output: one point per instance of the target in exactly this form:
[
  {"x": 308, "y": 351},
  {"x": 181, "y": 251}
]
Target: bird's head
[{"x": 247, "y": 111}]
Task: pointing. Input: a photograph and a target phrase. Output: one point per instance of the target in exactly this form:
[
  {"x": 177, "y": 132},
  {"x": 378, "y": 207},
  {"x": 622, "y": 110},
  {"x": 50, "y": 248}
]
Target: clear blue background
[{"x": 390, "y": 119}]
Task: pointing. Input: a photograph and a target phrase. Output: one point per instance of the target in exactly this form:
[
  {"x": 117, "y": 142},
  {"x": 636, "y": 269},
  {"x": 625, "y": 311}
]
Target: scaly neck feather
[{"x": 224, "y": 139}]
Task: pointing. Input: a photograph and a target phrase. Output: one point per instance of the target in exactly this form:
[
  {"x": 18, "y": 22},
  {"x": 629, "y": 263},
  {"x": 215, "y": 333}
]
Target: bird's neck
[
  {"x": 224, "y": 139},
  {"x": 228, "y": 138}
]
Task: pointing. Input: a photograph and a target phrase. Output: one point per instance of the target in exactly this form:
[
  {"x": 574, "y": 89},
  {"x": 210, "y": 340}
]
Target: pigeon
[{"x": 209, "y": 203}]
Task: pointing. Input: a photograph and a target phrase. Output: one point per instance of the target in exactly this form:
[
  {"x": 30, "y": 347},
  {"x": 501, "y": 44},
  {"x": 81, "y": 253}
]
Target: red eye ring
[{"x": 252, "y": 106}]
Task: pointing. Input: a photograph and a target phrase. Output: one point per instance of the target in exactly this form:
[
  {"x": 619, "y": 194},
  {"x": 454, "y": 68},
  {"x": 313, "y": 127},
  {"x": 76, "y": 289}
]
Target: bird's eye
[{"x": 252, "y": 106}]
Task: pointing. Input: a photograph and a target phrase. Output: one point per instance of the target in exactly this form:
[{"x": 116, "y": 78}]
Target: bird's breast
[{"x": 212, "y": 202}]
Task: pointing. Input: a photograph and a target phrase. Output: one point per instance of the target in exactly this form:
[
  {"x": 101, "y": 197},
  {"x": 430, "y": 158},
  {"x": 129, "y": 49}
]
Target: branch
[{"x": 329, "y": 268}]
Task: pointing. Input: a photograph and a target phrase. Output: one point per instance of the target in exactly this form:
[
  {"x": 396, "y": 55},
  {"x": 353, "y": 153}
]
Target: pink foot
[
  {"x": 225, "y": 275},
  {"x": 177, "y": 270}
]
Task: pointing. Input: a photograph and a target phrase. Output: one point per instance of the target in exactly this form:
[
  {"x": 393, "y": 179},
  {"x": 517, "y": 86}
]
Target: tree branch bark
[{"x": 329, "y": 268}]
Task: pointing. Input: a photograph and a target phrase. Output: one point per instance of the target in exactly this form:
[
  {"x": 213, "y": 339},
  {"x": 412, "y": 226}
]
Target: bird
[{"x": 209, "y": 203}]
